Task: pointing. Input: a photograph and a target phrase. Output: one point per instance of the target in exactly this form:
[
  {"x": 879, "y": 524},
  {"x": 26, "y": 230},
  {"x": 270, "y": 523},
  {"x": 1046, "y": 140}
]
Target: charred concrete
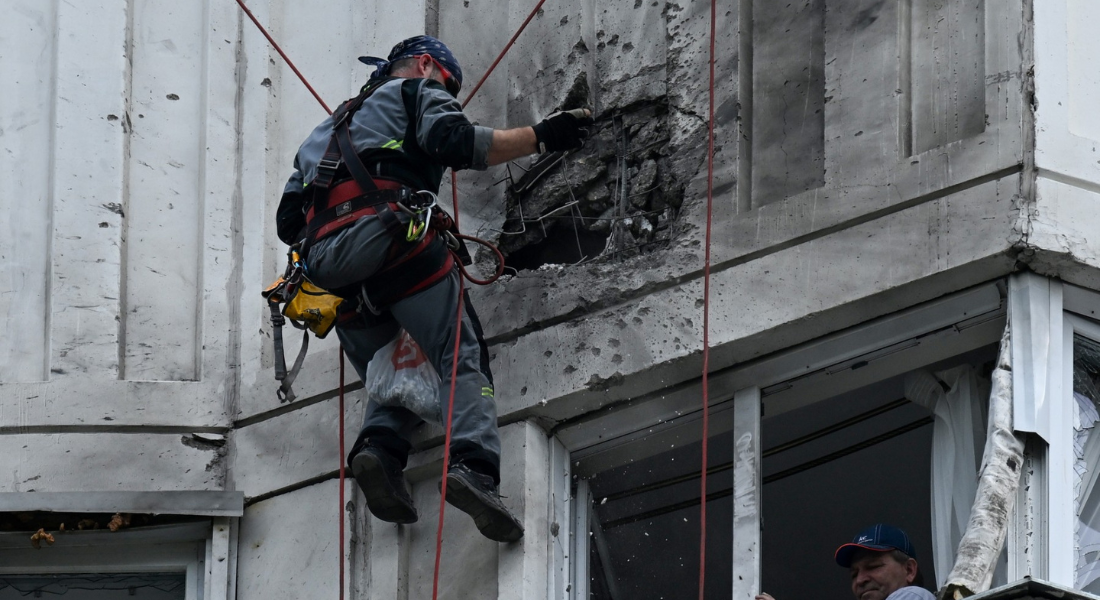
[{"x": 615, "y": 197}]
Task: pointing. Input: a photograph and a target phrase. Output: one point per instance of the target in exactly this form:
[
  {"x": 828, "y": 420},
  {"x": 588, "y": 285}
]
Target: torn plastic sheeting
[
  {"x": 998, "y": 481},
  {"x": 954, "y": 396}
]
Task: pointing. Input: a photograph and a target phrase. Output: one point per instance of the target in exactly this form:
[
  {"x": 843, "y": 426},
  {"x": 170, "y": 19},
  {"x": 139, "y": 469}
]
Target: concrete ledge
[
  {"x": 203, "y": 503},
  {"x": 1033, "y": 588}
]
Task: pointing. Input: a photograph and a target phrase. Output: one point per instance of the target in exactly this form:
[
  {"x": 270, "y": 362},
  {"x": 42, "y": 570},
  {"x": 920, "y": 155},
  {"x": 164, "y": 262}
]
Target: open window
[
  {"x": 102, "y": 545},
  {"x": 160, "y": 562},
  {"x": 884, "y": 422},
  {"x": 904, "y": 450},
  {"x": 643, "y": 522}
]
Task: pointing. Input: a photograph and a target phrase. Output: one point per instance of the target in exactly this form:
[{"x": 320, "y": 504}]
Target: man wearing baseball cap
[
  {"x": 883, "y": 565},
  {"x": 349, "y": 206}
]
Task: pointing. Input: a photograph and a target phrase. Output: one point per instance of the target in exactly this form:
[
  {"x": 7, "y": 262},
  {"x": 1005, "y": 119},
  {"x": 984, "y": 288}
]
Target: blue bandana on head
[{"x": 415, "y": 46}]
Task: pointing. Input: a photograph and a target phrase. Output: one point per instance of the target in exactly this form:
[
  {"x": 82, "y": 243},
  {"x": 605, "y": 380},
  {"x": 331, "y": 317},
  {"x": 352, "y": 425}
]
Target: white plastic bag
[{"x": 400, "y": 375}]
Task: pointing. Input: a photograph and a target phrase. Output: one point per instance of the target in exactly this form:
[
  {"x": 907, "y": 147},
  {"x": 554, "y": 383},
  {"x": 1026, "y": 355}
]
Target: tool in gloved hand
[{"x": 565, "y": 130}]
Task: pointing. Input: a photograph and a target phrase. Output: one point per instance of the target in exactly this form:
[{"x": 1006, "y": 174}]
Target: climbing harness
[
  {"x": 415, "y": 261},
  {"x": 420, "y": 230},
  {"x": 295, "y": 298}
]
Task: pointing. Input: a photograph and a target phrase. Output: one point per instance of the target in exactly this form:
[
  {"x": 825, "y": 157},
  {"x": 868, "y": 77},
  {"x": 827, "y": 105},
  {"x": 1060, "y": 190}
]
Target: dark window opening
[
  {"x": 862, "y": 457},
  {"x": 644, "y": 526},
  {"x": 59, "y": 523},
  {"x": 95, "y": 586}
]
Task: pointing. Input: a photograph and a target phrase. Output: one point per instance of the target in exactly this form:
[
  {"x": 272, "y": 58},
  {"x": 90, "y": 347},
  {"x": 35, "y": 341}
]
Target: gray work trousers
[{"x": 357, "y": 252}]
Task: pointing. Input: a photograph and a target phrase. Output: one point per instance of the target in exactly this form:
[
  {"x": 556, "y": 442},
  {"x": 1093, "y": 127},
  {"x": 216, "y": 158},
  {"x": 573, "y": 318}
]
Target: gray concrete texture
[{"x": 869, "y": 155}]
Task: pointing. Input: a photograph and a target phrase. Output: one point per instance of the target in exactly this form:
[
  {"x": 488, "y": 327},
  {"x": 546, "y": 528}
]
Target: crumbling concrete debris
[
  {"x": 620, "y": 195},
  {"x": 40, "y": 536},
  {"x": 622, "y": 179},
  {"x": 118, "y": 521}
]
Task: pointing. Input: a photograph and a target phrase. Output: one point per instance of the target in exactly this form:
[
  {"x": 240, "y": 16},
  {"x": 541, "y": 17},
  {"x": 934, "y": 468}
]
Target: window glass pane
[
  {"x": 142, "y": 586},
  {"x": 644, "y": 525},
  {"x": 830, "y": 470},
  {"x": 1086, "y": 395}
]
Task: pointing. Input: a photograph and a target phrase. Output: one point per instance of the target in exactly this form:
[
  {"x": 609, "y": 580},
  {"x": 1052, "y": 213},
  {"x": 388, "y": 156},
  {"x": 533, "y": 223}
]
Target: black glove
[{"x": 563, "y": 130}]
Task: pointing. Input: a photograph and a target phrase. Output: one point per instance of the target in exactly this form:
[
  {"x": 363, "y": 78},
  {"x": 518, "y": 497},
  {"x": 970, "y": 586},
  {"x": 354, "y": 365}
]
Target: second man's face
[{"x": 876, "y": 575}]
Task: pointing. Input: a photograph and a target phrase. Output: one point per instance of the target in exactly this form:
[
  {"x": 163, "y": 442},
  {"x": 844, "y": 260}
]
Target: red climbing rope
[
  {"x": 458, "y": 324},
  {"x": 343, "y": 475},
  {"x": 496, "y": 252},
  {"x": 459, "y": 312},
  {"x": 706, "y": 317},
  {"x": 507, "y": 47},
  {"x": 470, "y": 96},
  {"x": 447, "y": 441},
  {"x": 271, "y": 40}
]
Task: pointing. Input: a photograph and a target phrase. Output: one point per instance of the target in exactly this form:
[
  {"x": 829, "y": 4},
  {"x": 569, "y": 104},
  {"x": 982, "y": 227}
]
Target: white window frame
[
  {"x": 846, "y": 360},
  {"x": 162, "y": 549},
  {"x": 1046, "y": 313},
  {"x": 205, "y": 551}
]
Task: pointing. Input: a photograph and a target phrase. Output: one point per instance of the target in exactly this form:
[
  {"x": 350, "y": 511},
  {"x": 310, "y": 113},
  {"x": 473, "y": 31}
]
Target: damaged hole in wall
[{"x": 616, "y": 197}]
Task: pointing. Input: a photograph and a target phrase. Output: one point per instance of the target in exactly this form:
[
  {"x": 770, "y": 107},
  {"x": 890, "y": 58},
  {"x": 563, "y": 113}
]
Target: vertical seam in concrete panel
[
  {"x": 589, "y": 8},
  {"x": 124, "y": 226},
  {"x": 236, "y": 278},
  {"x": 431, "y": 18},
  {"x": 744, "y": 90},
  {"x": 1025, "y": 200},
  {"x": 204, "y": 115},
  {"x": 1027, "y": 84},
  {"x": 905, "y": 78},
  {"x": 988, "y": 17},
  {"x": 51, "y": 196}
]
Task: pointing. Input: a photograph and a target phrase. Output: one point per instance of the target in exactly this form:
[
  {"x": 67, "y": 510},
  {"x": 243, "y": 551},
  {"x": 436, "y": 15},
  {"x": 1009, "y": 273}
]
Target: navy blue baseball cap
[
  {"x": 879, "y": 538},
  {"x": 418, "y": 46}
]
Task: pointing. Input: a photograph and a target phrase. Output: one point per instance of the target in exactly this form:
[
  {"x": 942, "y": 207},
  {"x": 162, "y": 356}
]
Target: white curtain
[
  {"x": 1086, "y": 446},
  {"x": 958, "y": 399}
]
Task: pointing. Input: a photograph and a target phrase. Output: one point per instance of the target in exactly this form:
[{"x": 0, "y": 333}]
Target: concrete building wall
[{"x": 870, "y": 155}]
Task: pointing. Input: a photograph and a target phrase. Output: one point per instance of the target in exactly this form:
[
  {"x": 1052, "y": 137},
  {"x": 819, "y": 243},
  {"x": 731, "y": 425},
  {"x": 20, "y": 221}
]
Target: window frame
[
  {"x": 1073, "y": 326},
  {"x": 1042, "y": 531},
  {"x": 206, "y": 551},
  {"x": 849, "y": 358},
  {"x": 160, "y": 549}
]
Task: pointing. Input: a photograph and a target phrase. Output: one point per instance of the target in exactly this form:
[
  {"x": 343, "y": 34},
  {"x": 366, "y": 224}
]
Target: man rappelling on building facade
[{"x": 355, "y": 175}]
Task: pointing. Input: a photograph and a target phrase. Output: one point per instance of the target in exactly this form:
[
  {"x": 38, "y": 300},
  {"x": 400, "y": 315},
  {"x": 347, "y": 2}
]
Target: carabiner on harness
[{"x": 421, "y": 213}]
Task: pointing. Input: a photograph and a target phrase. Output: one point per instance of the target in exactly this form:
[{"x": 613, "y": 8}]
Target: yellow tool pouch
[
  {"x": 308, "y": 308},
  {"x": 314, "y": 308}
]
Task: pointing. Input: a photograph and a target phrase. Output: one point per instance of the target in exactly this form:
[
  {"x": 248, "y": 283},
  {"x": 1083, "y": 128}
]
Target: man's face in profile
[{"x": 876, "y": 575}]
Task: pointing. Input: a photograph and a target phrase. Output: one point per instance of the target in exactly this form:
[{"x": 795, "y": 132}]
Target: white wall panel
[
  {"x": 26, "y": 135},
  {"x": 88, "y": 206},
  {"x": 164, "y": 197},
  {"x": 289, "y": 545},
  {"x": 130, "y": 245},
  {"x": 1084, "y": 67},
  {"x": 1065, "y": 222},
  {"x": 1067, "y": 137},
  {"x": 109, "y": 462},
  {"x": 294, "y": 447},
  {"x": 277, "y": 114}
]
